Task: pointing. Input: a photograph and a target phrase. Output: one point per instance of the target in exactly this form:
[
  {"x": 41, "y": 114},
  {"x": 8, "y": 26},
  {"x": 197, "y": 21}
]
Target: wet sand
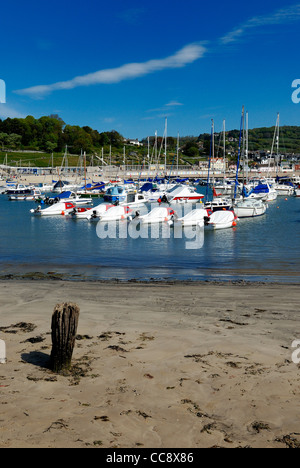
[{"x": 164, "y": 365}]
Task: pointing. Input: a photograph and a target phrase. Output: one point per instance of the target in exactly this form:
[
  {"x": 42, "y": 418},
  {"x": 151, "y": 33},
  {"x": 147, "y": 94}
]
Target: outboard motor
[{"x": 206, "y": 220}]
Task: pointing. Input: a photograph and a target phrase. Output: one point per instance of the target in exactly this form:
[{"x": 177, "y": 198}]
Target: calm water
[{"x": 264, "y": 248}]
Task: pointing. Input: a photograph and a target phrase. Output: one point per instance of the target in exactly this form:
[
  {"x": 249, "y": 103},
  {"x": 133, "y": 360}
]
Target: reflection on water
[{"x": 262, "y": 248}]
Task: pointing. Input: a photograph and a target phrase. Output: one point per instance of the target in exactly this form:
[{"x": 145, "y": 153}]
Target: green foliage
[
  {"x": 191, "y": 149},
  {"x": 51, "y": 134},
  {"x": 261, "y": 139}
]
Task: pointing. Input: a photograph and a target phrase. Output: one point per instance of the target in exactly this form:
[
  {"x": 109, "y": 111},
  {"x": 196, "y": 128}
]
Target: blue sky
[{"x": 127, "y": 65}]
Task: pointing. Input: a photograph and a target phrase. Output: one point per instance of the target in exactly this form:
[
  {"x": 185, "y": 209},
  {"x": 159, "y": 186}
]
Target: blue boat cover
[
  {"x": 64, "y": 195},
  {"x": 261, "y": 188},
  {"x": 146, "y": 187}
]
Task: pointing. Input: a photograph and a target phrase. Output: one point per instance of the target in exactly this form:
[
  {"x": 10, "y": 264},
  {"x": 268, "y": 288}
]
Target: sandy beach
[{"x": 165, "y": 365}]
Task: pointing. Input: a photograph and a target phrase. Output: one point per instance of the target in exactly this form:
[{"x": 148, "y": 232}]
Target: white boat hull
[
  {"x": 157, "y": 215},
  {"x": 284, "y": 192},
  {"x": 193, "y": 218},
  {"x": 249, "y": 212},
  {"x": 221, "y": 220},
  {"x": 58, "y": 209}
]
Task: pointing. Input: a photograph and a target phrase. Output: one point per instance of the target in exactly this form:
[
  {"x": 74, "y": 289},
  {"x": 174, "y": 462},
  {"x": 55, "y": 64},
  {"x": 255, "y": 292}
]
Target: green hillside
[{"x": 43, "y": 142}]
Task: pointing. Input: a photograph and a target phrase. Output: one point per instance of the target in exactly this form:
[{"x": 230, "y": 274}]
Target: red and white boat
[
  {"x": 57, "y": 209},
  {"x": 157, "y": 215},
  {"x": 115, "y": 213},
  {"x": 88, "y": 213},
  {"x": 221, "y": 220},
  {"x": 182, "y": 194}
]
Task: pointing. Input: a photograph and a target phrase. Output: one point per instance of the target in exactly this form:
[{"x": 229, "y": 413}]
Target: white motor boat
[
  {"x": 218, "y": 204},
  {"x": 34, "y": 194},
  {"x": 57, "y": 209},
  {"x": 284, "y": 190},
  {"x": 60, "y": 186},
  {"x": 221, "y": 220},
  {"x": 264, "y": 192},
  {"x": 193, "y": 218},
  {"x": 45, "y": 188},
  {"x": 158, "y": 215},
  {"x": 182, "y": 194},
  {"x": 153, "y": 193},
  {"x": 88, "y": 213},
  {"x": 249, "y": 208},
  {"x": 68, "y": 197},
  {"x": 19, "y": 190},
  {"x": 115, "y": 213},
  {"x": 134, "y": 199}
]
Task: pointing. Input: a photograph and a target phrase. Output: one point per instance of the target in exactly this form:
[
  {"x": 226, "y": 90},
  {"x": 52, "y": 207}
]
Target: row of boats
[
  {"x": 105, "y": 212},
  {"x": 124, "y": 201}
]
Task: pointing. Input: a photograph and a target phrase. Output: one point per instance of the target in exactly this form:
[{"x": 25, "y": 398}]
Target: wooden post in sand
[
  {"x": 2, "y": 352},
  {"x": 64, "y": 328}
]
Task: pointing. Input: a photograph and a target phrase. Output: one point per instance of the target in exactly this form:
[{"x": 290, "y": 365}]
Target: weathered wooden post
[
  {"x": 2, "y": 352},
  {"x": 64, "y": 328}
]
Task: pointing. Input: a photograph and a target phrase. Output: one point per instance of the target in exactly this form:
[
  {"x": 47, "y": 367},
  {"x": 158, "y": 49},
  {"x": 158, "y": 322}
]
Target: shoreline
[
  {"x": 238, "y": 279},
  {"x": 157, "y": 365}
]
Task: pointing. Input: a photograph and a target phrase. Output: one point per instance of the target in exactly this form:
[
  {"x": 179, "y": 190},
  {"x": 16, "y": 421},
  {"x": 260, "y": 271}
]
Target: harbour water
[{"x": 258, "y": 249}]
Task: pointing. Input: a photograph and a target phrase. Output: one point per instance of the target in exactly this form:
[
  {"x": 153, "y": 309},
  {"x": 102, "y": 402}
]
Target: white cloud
[
  {"x": 188, "y": 54},
  {"x": 174, "y": 103},
  {"x": 109, "y": 119},
  {"x": 282, "y": 16}
]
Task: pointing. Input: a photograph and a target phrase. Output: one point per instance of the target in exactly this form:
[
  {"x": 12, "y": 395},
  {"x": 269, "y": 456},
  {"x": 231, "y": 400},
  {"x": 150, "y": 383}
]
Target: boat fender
[
  {"x": 63, "y": 213},
  {"x": 234, "y": 223}
]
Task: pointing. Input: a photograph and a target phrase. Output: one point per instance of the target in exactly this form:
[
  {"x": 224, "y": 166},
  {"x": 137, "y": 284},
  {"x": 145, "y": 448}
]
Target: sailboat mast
[
  {"x": 209, "y": 161},
  {"x": 166, "y": 145},
  {"x": 277, "y": 144},
  {"x": 84, "y": 155},
  {"x": 213, "y": 149},
  {"x": 247, "y": 147},
  {"x": 224, "y": 147},
  {"x": 276, "y": 139},
  {"x": 239, "y": 154},
  {"x": 177, "y": 151}
]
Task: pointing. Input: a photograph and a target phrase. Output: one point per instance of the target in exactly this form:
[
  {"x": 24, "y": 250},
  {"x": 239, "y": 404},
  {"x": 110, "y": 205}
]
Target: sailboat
[
  {"x": 218, "y": 218},
  {"x": 251, "y": 205},
  {"x": 217, "y": 203},
  {"x": 281, "y": 188}
]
